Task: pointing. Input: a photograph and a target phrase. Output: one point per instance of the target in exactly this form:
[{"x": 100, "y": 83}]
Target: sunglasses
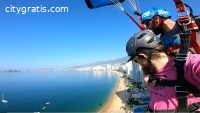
[{"x": 146, "y": 23}]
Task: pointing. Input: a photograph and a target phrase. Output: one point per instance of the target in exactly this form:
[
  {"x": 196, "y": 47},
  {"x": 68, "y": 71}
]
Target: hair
[
  {"x": 155, "y": 53},
  {"x": 147, "y": 67},
  {"x": 159, "y": 49}
]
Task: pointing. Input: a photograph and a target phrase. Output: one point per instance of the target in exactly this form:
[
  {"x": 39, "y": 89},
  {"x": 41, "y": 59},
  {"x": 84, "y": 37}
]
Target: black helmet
[{"x": 144, "y": 41}]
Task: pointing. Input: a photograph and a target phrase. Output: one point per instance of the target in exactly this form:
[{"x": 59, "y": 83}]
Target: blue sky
[{"x": 80, "y": 36}]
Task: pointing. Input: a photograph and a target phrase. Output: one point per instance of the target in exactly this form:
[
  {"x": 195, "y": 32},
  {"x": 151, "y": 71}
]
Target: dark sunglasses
[{"x": 146, "y": 23}]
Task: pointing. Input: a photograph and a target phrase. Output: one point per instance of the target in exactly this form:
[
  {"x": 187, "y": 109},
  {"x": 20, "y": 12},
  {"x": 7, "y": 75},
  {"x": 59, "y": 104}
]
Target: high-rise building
[{"x": 137, "y": 73}]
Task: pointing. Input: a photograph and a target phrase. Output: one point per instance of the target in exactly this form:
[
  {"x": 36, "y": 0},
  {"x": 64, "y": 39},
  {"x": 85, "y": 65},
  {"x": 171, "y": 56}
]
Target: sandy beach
[{"x": 117, "y": 101}]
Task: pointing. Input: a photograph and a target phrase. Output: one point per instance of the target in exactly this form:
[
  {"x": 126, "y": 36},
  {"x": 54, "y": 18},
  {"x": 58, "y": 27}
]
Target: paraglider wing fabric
[{"x": 99, "y": 3}]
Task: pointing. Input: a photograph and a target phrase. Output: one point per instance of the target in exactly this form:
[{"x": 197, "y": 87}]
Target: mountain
[{"x": 119, "y": 60}]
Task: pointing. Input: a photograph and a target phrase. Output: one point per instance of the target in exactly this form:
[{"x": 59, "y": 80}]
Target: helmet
[
  {"x": 142, "y": 41},
  {"x": 154, "y": 11}
]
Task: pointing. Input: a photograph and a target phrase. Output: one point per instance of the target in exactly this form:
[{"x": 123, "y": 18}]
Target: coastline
[{"x": 117, "y": 98}]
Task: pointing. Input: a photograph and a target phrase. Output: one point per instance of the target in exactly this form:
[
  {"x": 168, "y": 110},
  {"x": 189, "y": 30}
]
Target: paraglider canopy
[
  {"x": 99, "y": 3},
  {"x": 92, "y": 4}
]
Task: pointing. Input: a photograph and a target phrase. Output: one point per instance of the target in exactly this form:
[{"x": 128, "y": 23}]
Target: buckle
[
  {"x": 182, "y": 56},
  {"x": 154, "y": 82},
  {"x": 180, "y": 89},
  {"x": 186, "y": 15}
]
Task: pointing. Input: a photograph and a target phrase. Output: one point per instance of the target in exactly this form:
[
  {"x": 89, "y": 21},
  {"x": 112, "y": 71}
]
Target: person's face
[{"x": 154, "y": 25}]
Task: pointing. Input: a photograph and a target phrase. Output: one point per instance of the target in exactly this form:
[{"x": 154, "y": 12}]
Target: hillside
[{"x": 119, "y": 60}]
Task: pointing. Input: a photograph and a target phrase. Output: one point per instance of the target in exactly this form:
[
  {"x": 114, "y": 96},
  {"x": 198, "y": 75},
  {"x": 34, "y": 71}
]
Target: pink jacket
[{"x": 164, "y": 98}]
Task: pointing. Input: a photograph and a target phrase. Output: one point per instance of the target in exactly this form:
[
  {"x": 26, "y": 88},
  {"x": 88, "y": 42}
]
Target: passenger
[{"x": 145, "y": 48}]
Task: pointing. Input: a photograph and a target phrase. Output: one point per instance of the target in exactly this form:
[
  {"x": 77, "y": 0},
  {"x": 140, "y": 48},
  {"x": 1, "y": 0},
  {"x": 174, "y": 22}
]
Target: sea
[{"x": 64, "y": 91}]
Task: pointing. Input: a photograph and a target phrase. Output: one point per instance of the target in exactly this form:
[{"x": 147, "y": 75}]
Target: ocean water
[{"x": 80, "y": 91}]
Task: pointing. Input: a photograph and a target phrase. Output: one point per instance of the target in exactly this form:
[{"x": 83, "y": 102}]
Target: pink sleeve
[{"x": 192, "y": 70}]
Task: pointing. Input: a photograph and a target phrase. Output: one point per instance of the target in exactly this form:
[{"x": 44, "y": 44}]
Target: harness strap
[
  {"x": 179, "y": 62},
  {"x": 180, "y": 5},
  {"x": 179, "y": 65},
  {"x": 182, "y": 96},
  {"x": 188, "y": 24},
  {"x": 181, "y": 84},
  {"x": 193, "y": 43},
  {"x": 182, "y": 87},
  {"x": 194, "y": 106},
  {"x": 170, "y": 49},
  {"x": 163, "y": 82},
  {"x": 188, "y": 86},
  {"x": 192, "y": 28}
]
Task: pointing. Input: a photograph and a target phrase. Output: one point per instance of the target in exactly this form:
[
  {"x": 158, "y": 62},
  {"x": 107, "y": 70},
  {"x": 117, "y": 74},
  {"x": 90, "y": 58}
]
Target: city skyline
[{"x": 78, "y": 36}]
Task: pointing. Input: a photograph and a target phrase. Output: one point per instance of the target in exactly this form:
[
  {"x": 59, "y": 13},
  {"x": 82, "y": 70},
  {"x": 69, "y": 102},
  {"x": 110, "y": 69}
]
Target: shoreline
[{"x": 116, "y": 102}]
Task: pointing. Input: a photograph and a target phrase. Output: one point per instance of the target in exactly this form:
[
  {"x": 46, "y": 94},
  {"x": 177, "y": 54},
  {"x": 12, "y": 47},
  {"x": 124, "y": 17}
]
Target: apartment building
[{"x": 137, "y": 73}]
